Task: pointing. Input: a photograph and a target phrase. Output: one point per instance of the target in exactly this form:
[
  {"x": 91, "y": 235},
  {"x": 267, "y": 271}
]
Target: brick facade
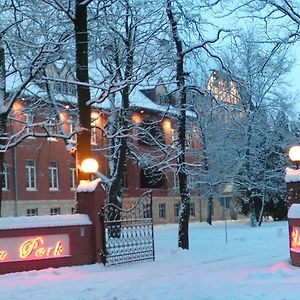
[{"x": 43, "y": 200}]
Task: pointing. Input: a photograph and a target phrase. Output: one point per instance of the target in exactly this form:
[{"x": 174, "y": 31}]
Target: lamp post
[
  {"x": 294, "y": 155},
  {"x": 89, "y": 165}
]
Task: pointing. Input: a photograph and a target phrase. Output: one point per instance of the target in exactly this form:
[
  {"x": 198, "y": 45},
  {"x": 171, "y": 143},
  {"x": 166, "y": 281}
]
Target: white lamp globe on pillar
[
  {"x": 89, "y": 165},
  {"x": 294, "y": 155}
]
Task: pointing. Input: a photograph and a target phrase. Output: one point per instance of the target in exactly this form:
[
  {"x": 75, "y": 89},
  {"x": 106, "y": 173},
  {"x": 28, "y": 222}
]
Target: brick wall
[{"x": 82, "y": 247}]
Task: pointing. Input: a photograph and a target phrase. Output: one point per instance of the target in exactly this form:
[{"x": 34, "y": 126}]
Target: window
[
  {"x": 93, "y": 133},
  {"x": 175, "y": 181},
  {"x": 65, "y": 88},
  {"x": 176, "y": 209},
  {"x": 73, "y": 138},
  {"x": 52, "y": 130},
  {"x": 28, "y": 123},
  {"x": 32, "y": 212},
  {"x": 162, "y": 210},
  {"x": 30, "y": 173},
  {"x": 5, "y": 183},
  {"x": 189, "y": 141},
  {"x": 147, "y": 212},
  {"x": 54, "y": 211},
  {"x": 124, "y": 179},
  {"x": 192, "y": 209},
  {"x": 174, "y": 137},
  {"x": 151, "y": 134},
  {"x": 73, "y": 178},
  {"x": 53, "y": 175},
  {"x": 152, "y": 179},
  {"x": 192, "y": 181}
]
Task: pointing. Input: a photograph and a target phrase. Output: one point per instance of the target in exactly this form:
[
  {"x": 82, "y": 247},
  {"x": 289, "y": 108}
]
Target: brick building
[{"x": 40, "y": 173}]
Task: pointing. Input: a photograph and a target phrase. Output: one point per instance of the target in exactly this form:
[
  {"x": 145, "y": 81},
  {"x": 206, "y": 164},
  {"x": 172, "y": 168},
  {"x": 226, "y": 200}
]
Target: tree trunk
[
  {"x": 209, "y": 209},
  {"x": 183, "y": 232},
  {"x": 83, "y": 91},
  {"x": 252, "y": 212},
  {"x": 3, "y": 118}
]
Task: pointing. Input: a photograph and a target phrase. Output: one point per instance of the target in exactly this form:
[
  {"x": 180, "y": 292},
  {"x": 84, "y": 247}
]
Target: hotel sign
[{"x": 34, "y": 247}]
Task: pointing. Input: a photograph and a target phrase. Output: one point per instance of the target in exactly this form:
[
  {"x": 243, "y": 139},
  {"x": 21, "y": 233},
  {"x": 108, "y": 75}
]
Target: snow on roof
[
  {"x": 44, "y": 221},
  {"x": 294, "y": 211},
  {"x": 292, "y": 175},
  {"x": 87, "y": 185},
  {"x": 139, "y": 100}
]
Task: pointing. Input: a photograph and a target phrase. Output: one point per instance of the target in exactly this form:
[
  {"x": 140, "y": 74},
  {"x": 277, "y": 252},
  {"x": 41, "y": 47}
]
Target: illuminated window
[
  {"x": 162, "y": 210},
  {"x": 54, "y": 211},
  {"x": 176, "y": 209},
  {"x": 5, "y": 176},
  {"x": 192, "y": 209},
  {"x": 53, "y": 175},
  {"x": 30, "y": 173},
  {"x": 73, "y": 178},
  {"x": 32, "y": 212}
]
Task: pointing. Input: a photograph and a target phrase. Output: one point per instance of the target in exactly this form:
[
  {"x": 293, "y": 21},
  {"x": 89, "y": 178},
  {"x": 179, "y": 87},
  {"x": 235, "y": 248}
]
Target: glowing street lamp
[
  {"x": 294, "y": 155},
  {"x": 89, "y": 165}
]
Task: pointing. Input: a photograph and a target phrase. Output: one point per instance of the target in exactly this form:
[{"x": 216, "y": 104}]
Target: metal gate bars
[{"x": 128, "y": 233}]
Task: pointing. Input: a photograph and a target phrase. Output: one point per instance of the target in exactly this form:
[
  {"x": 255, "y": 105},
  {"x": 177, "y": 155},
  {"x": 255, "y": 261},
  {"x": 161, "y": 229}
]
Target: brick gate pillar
[
  {"x": 90, "y": 198},
  {"x": 292, "y": 179}
]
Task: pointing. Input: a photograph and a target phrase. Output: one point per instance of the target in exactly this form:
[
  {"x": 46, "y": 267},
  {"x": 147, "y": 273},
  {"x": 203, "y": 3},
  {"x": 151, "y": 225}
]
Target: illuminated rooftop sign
[{"x": 34, "y": 247}]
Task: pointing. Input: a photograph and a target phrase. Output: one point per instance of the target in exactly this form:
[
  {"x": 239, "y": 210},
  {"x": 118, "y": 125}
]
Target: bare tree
[
  {"x": 24, "y": 52},
  {"x": 184, "y": 45},
  {"x": 261, "y": 71},
  {"x": 124, "y": 51}
]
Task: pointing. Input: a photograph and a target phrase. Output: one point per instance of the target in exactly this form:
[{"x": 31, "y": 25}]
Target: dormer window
[{"x": 64, "y": 87}]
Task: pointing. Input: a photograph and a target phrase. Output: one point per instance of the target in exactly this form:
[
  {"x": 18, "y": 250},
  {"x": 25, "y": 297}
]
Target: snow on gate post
[
  {"x": 90, "y": 199},
  {"x": 292, "y": 179}
]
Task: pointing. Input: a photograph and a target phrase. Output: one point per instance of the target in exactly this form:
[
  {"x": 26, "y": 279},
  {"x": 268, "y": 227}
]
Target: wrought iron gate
[{"x": 128, "y": 233}]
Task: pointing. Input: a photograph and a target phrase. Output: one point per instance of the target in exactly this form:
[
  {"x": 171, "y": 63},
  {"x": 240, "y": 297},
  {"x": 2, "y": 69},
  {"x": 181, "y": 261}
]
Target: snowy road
[{"x": 254, "y": 264}]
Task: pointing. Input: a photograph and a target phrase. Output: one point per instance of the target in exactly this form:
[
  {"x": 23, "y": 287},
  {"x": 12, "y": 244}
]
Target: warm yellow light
[
  {"x": 137, "y": 119},
  {"x": 294, "y": 154},
  {"x": 89, "y": 165},
  {"x": 167, "y": 125},
  {"x": 94, "y": 115}
]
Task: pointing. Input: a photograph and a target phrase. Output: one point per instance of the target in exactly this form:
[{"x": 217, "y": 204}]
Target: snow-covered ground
[{"x": 253, "y": 264}]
